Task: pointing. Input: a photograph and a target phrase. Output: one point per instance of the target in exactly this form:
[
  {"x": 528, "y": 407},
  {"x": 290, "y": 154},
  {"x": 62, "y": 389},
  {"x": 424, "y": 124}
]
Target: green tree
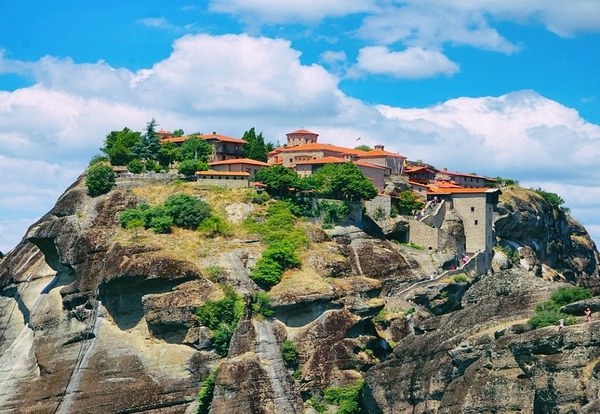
[
  {"x": 167, "y": 153},
  {"x": 408, "y": 202},
  {"x": 344, "y": 181},
  {"x": 118, "y": 145},
  {"x": 187, "y": 211},
  {"x": 135, "y": 166},
  {"x": 195, "y": 148},
  {"x": 206, "y": 393},
  {"x": 100, "y": 179},
  {"x": 553, "y": 199},
  {"x": 178, "y": 133},
  {"x": 147, "y": 148},
  {"x": 255, "y": 149},
  {"x": 97, "y": 159},
  {"x": 189, "y": 167},
  {"x": 278, "y": 179},
  {"x": 364, "y": 148}
]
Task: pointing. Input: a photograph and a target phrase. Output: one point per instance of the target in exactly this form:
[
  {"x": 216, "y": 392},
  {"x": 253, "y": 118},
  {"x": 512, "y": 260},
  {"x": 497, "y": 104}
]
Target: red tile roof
[
  {"x": 380, "y": 153},
  {"x": 313, "y": 146},
  {"x": 223, "y": 173},
  {"x": 223, "y": 138},
  {"x": 302, "y": 131},
  {"x": 338, "y": 160}
]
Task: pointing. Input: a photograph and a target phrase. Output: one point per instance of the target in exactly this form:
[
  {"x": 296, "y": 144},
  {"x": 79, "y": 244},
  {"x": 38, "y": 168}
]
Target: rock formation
[{"x": 97, "y": 319}]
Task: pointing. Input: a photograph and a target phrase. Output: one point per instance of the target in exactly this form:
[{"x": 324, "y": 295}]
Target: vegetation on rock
[
  {"x": 548, "y": 313},
  {"x": 222, "y": 318},
  {"x": 206, "y": 393},
  {"x": 100, "y": 179}
]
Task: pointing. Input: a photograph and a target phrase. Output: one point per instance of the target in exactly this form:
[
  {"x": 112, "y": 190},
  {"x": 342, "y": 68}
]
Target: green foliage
[
  {"x": 289, "y": 352},
  {"x": 283, "y": 238},
  {"x": 222, "y": 317},
  {"x": 460, "y": 278},
  {"x": 409, "y": 311},
  {"x": 196, "y": 148},
  {"x": 129, "y": 215},
  {"x": 135, "y": 166},
  {"x": 118, "y": 145},
  {"x": 152, "y": 165},
  {"x": 161, "y": 224},
  {"x": 214, "y": 226},
  {"x": 332, "y": 212},
  {"x": 255, "y": 149},
  {"x": 261, "y": 198},
  {"x": 343, "y": 181},
  {"x": 100, "y": 179},
  {"x": 394, "y": 211},
  {"x": 279, "y": 180},
  {"x": 167, "y": 153},
  {"x": 267, "y": 272},
  {"x": 178, "y": 133},
  {"x": 189, "y": 167},
  {"x": 147, "y": 148},
  {"x": 548, "y": 313},
  {"x": 413, "y": 246},
  {"x": 565, "y": 295},
  {"x": 214, "y": 273},
  {"x": 364, "y": 148},
  {"x": 346, "y": 398},
  {"x": 553, "y": 199},
  {"x": 186, "y": 210},
  {"x": 408, "y": 202},
  {"x": 379, "y": 214},
  {"x": 506, "y": 181},
  {"x": 261, "y": 305},
  {"x": 206, "y": 393},
  {"x": 97, "y": 159}
]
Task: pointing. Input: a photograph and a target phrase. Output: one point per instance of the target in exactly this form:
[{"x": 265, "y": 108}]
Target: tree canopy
[
  {"x": 256, "y": 148},
  {"x": 147, "y": 148},
  {"x": 279, "y": 180},
  {"x": 100, "y": 179},
  {"x": 118, "y": 145},
  {"x": 195, "y": 148},
  {"x": 343, "y": 181}
]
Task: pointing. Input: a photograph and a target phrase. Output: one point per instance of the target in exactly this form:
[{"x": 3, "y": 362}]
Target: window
[
  {"x": 476, "y": 222},
  {"x": 472, "y": 209}
]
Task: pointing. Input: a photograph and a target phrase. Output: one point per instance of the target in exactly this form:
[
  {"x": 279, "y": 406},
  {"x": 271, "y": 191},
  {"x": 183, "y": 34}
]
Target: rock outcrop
[{"x": 99, "y": 319}]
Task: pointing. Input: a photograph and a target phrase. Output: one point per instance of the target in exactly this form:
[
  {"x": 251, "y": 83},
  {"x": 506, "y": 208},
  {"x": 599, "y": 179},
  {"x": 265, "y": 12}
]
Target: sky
[{"x": 506, "y": 88}]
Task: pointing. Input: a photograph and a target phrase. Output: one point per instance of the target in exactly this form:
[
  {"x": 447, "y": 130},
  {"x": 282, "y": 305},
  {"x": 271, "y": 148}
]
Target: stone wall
[
  {"x": 230, "y": 183},
  {"x": 381, "y": 203}
]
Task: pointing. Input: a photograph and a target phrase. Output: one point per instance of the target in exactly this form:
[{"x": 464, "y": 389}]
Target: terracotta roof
[
  {"x": 380, "y": 153},
  {"x": 240, "y": 161},
  {"x": 302, "y": 131},
  {"x": 313, "y": 146},
  {"x": 467, "y": 175},
  {"x": 223, "y": 173},
  {"x": 370, "y": 165},
  {"x": 223, "y": 138},
  {"x": 324, "y": 160},
  {"x": 174, "y": 139}
]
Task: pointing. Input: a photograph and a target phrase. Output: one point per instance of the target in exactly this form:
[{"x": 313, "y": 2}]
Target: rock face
[{"x": 97, "y": 319}]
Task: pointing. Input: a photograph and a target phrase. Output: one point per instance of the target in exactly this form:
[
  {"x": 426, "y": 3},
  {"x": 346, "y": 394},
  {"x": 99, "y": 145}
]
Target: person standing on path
[{"x": 588, "y": 314}]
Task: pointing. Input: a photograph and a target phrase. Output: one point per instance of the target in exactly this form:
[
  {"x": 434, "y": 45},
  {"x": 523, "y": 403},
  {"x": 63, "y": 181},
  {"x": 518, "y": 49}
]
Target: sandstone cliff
[{"x": 96, "y": 320}]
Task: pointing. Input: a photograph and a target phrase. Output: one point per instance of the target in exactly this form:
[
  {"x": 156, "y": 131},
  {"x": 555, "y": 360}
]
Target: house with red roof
[
  {"x": 373, "y": 172},
  {"x": 246, "y": 165},
  {"x": 226, "y": 148}
]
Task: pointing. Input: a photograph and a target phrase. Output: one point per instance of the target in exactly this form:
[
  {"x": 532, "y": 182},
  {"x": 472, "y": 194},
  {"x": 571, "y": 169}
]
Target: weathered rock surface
[{"x": 94, "y": 320}]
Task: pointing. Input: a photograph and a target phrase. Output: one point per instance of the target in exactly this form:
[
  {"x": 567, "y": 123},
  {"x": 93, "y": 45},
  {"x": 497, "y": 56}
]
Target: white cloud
[{"x": 413, "y": 63}]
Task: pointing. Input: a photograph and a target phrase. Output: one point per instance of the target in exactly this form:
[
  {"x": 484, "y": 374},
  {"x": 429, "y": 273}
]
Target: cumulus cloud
[{"x": 413, "y": 63}]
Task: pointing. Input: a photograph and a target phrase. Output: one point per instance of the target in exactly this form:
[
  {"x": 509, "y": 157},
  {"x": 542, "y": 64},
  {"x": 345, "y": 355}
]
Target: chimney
[{"x": 379, "y": 147}]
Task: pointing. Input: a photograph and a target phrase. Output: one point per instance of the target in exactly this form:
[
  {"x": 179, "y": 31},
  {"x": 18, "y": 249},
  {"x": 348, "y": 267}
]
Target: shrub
[
  {"x": 189, "y": 167},
  {"x": 408, "y": 202},
  {"x": 267, "y": 272},
  {"x": 222, "y": 317},
  {"x": 261, "y": 305},
  {"x": 187, "y": 211},
  {"x": 214, "y": 226},
  {"x": 100, "y": 179},
  {"x": 461, "y": 278},
  {"x": 98, "y": 159},
  {"x": 130, "y": 214},
  {"x": 206, "y": 393},
  {"x": 161, "y": 224},
  {"x": 346, "y": 398},
  {"x": 289, "y": 352},
  {"x": 409, "y": 311},
  {"x": 548, "y": 313},
  {"x": 135, "y": 166}
]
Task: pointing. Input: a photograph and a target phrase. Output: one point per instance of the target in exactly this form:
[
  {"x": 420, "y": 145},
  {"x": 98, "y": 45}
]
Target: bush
[
  {"x": 214, "y": 226},
  {"x": 187, "y": 211},
  {"x": 206, "y": 393},
  {"x": 346, "y": 398},
  {"x": 189, "y": 167},
  {"x": 135, "y": 166},
  {"x": 161, "y": 224},
  {"x": 289, "y": 352},
  {"x": 261, "y": 305},
  {"x": 461, "y": 278},
  {"x": 98, "y": 159},
  {"x": 100, "y": 179},
  {"x": 130, "y": 214},
  {"x": 548, "y": 313},
  {"x": 267, "y": 272},
  {"x": 222, "y": 317}
]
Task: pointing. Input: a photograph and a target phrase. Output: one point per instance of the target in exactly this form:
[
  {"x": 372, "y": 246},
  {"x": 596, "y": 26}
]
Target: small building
[
  {"x": 226, "y": 148},
  {"x": 223, "y": 178},
  {"x": 465, "y": 180},
  {"x": 239, "y": 165}
]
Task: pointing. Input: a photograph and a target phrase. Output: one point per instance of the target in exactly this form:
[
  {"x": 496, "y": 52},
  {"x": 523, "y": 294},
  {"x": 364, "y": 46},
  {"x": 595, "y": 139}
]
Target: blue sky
[{"x": 496, "y": 87}]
